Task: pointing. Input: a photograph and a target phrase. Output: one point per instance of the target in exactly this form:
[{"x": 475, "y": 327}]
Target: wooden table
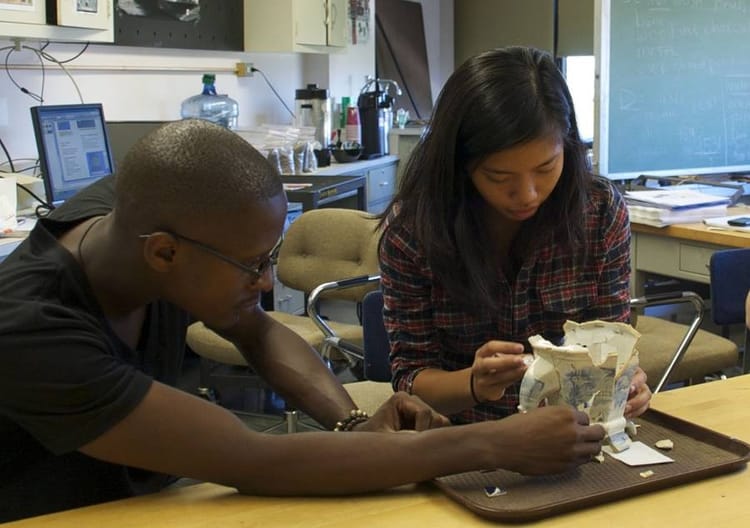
[
  {"x": 717, "y": 502},
  {"x": 682, "y": 251}
]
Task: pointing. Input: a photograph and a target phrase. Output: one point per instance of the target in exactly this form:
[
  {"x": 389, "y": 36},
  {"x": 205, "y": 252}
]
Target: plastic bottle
[
  {"x": 353, "y": 128},
  {"x": 217, "y": 108},
  {"x": 345, "y": 102}
]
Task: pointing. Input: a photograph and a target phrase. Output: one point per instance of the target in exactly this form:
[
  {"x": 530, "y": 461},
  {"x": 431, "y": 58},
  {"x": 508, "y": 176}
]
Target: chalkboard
[{"x": 673, "y": 87}]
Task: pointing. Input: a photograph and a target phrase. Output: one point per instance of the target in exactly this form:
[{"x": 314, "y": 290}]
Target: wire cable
[
  {"x": 46, "y": 56},
  {"x": 10, "y": 163},
  {"x": 74, "y": 57},
  {"x": 60, "y": 63},
  {"x": 37, "y": 97},
  {"x": 43, "y": 205},
  {"x": 7, "y": 155},
  {"x": 41, "y": 201},
  {"x": 253, "y": 69},
  {"x": 29, "y": 168}
]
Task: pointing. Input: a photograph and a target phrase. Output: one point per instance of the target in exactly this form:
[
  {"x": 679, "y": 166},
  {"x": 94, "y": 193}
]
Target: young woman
[{"x": 499, "y": 232}]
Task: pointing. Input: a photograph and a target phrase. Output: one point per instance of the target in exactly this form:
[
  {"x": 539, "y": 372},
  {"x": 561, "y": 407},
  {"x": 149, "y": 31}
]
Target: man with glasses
[{"x": 94, "y": 307}]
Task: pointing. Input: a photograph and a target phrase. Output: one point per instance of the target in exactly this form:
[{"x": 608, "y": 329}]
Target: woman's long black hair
[{"x": 495, "y": 100}]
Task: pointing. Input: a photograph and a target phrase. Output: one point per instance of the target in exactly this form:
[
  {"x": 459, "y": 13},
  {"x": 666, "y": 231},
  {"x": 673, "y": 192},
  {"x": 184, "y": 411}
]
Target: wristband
[
  {"x": 356, "y": 417},
  {"x": 471, "y": 386}
]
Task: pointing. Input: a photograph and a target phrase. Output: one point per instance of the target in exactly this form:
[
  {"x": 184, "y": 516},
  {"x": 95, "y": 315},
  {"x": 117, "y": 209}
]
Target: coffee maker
[
  {"x": 376, "y": 116},
  {"x": 313, "y": 109}
]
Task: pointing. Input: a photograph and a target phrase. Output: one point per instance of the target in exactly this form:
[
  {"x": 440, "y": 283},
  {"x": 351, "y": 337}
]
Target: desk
[
  {"x": 326, "y": 190},
  {"x": 681, "y": 251},
  {"x": 717, "y": 502}
]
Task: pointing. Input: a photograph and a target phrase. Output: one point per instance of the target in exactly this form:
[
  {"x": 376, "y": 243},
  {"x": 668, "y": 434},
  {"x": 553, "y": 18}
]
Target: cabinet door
[
  {"x": 310, "y": 22},
  {"x": 75, "y": 20},
  {"x": 337, "y": 23}
]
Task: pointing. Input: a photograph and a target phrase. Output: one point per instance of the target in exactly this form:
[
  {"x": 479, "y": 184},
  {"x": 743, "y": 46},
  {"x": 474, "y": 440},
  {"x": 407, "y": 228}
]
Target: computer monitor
[
  {"x": 125, "y": 134},
  {"x": 73, "y": 146}
]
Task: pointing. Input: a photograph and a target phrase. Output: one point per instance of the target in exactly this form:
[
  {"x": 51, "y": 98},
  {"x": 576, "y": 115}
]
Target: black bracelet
[
  {"x": 356, "y": 417},
  {"x": 471, "y": 386}
]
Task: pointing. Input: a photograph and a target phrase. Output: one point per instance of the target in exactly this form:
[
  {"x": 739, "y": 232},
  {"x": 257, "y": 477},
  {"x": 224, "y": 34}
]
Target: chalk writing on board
[{"x": 679, "y": 86}]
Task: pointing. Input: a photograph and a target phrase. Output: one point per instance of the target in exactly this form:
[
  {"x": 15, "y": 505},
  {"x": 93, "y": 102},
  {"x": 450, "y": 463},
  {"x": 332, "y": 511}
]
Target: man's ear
[{"x": 159, "y": 252}]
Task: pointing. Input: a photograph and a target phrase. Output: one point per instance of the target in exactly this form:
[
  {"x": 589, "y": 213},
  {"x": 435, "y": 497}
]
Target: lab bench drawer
[
  {"x": 673, "y": 257},
  {"x": 380, "y": 183},
  {"x": 695, "y": 259}
]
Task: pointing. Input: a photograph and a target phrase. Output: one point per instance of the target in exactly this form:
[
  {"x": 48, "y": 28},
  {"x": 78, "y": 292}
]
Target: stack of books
[{"x": 672, "y": 205}]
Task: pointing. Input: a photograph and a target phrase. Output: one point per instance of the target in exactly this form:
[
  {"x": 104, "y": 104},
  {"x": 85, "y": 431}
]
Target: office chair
[
  {"x": 670, "y": 351},
  {"x": 321, "y": 245},
  {"x": 371, "y": 392},
  {"x": 223, "y": 368},
  {"x": 729, "y": 270}
]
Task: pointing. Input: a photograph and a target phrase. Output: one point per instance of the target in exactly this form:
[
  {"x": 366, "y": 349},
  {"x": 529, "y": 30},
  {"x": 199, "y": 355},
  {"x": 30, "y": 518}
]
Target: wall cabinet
[
  {"x": 76, "y": 21},
  {"x": 306, "y": 26}
]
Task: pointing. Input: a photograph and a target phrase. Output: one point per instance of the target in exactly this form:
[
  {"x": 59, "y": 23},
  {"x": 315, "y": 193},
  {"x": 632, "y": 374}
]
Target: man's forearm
[{"x": 296, "y": 371}]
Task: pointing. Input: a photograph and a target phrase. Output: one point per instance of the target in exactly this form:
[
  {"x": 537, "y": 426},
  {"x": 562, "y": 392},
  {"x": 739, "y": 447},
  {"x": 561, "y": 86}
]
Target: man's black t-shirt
[{"x": 65, "y": 377}]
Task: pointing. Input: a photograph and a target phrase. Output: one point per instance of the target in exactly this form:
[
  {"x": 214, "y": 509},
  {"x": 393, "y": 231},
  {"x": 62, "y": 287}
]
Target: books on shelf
[{"x": 674, "y": 198}]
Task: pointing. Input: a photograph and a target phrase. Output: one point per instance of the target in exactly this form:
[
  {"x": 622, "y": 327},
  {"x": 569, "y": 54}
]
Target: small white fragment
[
  {"x": 631, "y": 428},
  {"x": 665, "y": 444},
  {"x": 646, "y": 474},
  {"x": 494, "y": 491},
  {"x": 599, "y": 458}
]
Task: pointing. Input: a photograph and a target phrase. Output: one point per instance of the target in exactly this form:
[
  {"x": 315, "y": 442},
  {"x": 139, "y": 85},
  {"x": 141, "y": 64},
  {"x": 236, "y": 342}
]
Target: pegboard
[{"x": 157, "y": 24}]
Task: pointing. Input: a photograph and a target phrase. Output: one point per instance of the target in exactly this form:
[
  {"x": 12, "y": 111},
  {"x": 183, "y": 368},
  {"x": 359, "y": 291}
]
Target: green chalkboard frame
[{"x": 672, "y": 87}]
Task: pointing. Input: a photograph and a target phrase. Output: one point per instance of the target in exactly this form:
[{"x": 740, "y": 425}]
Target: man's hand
[
  {"x": 547, "y": 440},
  {"x": 403, "y": 412}
]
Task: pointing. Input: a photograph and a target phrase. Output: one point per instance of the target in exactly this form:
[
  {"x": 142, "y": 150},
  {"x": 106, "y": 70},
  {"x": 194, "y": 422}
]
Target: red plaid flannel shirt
[{"x": 427, "y": 330}]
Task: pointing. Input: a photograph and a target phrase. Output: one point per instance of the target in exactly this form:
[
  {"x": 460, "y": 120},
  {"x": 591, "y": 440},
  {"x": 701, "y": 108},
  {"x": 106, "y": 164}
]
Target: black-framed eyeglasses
[{"x": 255, "y": 272}]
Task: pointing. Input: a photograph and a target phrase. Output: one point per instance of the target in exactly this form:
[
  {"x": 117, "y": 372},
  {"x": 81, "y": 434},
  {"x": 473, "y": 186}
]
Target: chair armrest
[
  {"x": 330, "y": 337},
  {"x": 660, "y": 299}
]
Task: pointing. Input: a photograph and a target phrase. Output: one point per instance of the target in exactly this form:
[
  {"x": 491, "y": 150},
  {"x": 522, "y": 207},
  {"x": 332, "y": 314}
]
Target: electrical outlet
[{"x": 244, "y": 69}]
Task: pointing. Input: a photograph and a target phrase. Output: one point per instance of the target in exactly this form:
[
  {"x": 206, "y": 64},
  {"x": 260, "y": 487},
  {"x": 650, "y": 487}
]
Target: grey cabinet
[{"x": 381, "y": 185}]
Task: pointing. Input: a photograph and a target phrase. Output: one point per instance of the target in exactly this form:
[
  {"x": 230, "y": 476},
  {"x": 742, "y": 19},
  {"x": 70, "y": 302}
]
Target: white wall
[{"x": 149, "y": 84}]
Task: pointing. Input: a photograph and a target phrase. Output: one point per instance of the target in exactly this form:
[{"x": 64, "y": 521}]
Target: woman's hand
[
  {"x": 639, "y": 397},
  {"x": 497, "y": 365}
]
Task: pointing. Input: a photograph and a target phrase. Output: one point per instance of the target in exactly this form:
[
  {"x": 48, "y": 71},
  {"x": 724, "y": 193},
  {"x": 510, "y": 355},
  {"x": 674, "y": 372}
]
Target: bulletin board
[{"x": 192, "y": 24}]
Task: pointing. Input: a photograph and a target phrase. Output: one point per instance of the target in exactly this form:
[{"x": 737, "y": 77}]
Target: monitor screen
[
  {"x": 124, "y": 134},
  {"x": 73, "y": 148}
]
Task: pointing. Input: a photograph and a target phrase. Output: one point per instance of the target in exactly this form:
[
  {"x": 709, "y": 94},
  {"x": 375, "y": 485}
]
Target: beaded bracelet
[{"x": 356, "y": 417}]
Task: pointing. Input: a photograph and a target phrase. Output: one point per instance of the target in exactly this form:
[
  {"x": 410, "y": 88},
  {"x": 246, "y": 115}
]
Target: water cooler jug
[{"x": 217, "y": 108}]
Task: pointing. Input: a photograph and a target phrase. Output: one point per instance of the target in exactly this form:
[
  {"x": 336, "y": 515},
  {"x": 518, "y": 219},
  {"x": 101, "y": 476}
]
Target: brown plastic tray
[{"x": 698, "y": 453}]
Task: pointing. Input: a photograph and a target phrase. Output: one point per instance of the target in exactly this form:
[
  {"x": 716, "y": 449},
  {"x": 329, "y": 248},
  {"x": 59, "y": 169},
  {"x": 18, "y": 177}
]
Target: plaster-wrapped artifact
[{"x": 591, "y": 371}]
